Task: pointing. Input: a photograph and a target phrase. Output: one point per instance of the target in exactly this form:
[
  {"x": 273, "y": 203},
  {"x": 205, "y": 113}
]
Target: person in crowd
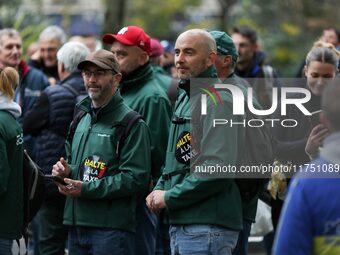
[
  {"x": 251, "y": 65},
  {"x": 104, "y": 179},
  {"x": 89, "y": 40},
  {"x": 170, "y": 85},
  {"x": 142, "y": 91},
  {"x": 49, "y": 121},
  {"x": 311, "y": 215},
  {"x": 200, "y": 223},
  {"x": 329, "y": 35},
  {"x": 225, "y": 65},
  {"x": 32, "y": 82},
  {"x": 11, "y": 154},
  {"x": 168, "y": 58},
  {"x": 45, "y": 59},
  {"x": 297, "y": 145}
]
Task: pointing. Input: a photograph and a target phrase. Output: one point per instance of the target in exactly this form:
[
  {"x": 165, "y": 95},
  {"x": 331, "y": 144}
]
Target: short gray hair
[
  {"x": 51, "y": 33},
  {"x": 71, "y": 54},
  {"x": 10, "y": 32}
]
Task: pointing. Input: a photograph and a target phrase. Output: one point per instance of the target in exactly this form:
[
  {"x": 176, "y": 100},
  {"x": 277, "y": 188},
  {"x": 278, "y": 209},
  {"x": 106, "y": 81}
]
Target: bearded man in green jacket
[{"x": 104, "y": 179}]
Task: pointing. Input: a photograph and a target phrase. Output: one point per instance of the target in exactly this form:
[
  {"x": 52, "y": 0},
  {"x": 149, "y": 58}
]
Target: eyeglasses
[{"x": 96, "y": 74}]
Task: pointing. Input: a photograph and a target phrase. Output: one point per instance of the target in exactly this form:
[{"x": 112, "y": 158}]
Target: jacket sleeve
[
  {"x": 219, "y": 146},
  {"x": 4, "y": 167},
  {"x": 134, "y": 169},
  {"x": 294, "y": 234},
  {"x": 37, "y": 118},
  {"x": 157, "y": 114}
]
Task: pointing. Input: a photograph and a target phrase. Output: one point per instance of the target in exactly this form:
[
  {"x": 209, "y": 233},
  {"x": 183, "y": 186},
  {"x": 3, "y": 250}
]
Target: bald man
[{"x": 205, "y": 212}]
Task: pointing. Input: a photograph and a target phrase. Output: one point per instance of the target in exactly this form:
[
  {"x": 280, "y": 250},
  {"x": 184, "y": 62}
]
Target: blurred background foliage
[{"x": 287, "y": 29}]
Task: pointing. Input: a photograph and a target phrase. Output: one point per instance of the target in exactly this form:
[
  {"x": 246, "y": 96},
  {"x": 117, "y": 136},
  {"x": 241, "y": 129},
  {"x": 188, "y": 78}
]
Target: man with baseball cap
[
  {"x": 143, "y": 93},
  {"x": 225, "y": 65},
  {"x": 103, "y": 177}
]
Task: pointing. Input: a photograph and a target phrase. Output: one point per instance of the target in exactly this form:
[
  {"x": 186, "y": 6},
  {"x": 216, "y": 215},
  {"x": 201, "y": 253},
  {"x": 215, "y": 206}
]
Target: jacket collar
[
  {"x": 115, "y": 102},
  {"x": 210, "y": 72},
  {"x": 136, "y": 78}
]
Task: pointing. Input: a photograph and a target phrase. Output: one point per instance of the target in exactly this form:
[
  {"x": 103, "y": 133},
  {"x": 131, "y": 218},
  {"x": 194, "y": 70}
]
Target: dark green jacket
[
  {"x": 193, "y": 199},
  {"x": 11, "y": 177},
  {"x": 111, "y": 182},
  {"x": 142, "y": 93}
]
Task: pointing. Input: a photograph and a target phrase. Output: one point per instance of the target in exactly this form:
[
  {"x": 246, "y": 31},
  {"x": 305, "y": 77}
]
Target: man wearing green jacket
[
  {"x": 205, "y": 212},
  {"x": 103, "y": 179},
  {"x": 225, "y": 65},
  {"x": 142, "y": 91}
]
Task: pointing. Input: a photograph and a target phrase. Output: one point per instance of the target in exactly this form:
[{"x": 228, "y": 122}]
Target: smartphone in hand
[
  {"x": 56, "y": 179},
  {"x": 314, "y": 119}
]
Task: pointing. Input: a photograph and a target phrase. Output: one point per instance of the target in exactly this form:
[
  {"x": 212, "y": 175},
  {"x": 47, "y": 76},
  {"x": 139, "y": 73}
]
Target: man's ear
[
  {"x": 118, "y": 77},
  {"x": 143, "y": 58},
  {"x": 227, "y": 61},
  {"x": 211, "y": 58},
  {"x": 62, "y": 67}
]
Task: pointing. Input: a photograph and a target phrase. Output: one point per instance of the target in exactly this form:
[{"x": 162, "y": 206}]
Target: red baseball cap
[{"x": 130, "y": 35}]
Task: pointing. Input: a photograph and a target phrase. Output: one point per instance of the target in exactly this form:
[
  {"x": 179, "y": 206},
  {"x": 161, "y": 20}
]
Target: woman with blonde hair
[
  {"x": 11, "y": 156},
  {"x": 299, "y": 144}
]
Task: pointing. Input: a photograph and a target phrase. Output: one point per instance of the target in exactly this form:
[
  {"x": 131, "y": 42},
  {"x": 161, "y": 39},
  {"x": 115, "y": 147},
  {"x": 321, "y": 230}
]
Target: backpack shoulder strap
[
  {"x": 73, "y": 126},
  {"x": 124, "y": 127},
  {"x": 268, "y": 72}
]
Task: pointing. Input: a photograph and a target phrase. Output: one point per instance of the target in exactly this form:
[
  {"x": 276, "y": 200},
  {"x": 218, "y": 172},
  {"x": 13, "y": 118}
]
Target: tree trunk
[{"x": 114, "y": 15}]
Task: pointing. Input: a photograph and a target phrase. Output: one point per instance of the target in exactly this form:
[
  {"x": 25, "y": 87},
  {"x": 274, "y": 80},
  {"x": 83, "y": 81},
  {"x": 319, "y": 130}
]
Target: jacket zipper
[{"x": 78, "y": 173}]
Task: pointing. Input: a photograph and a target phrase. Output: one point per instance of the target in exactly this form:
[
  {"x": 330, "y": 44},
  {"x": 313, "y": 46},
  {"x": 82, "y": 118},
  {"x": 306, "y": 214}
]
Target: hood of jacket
[{"x": 10, "y": 106}]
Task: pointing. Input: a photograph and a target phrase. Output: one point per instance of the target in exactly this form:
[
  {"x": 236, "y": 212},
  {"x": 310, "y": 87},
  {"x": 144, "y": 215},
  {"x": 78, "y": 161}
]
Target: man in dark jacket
[
  {"x": 251, "y": 65},
  {"x": 141, "y": 90},
  {"x": 45, "y": 58},
  {"x": 49, "y": 120},
  {"x": 104, "y": 177},
  {"x": 200, "y": 221}
]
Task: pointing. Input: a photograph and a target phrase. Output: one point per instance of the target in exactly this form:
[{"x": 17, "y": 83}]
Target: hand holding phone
[
  {"x": 314, "y": 118},
  {"x": 56, "y": 179}
]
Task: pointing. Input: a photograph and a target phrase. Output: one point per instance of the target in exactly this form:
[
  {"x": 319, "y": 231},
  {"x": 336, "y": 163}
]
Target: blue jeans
[
  {"x": 242, "y": 242},
  {"x": 100, "y": 241},
  {"x": 6, "y": 246},
  {"x": 202, "y": 239}
]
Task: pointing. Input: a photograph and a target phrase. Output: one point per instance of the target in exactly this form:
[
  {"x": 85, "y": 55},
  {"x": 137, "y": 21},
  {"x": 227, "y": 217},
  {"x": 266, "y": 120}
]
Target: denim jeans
[
  {"x": 202, "y": 239},
  {"x": 242, "y": 242},
  {"x": 6, "y": 246},
  {"x": 100, "y": 241}
]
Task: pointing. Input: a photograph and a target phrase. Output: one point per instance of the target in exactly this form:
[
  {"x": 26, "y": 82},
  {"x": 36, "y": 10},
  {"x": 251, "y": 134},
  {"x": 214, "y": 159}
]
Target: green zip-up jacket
[
  {"x": 11, "y": 177},
  {"x": 197, "y": 199},
  {"x": 111, "y": 181},
  {"x": 143, "y": 93}
]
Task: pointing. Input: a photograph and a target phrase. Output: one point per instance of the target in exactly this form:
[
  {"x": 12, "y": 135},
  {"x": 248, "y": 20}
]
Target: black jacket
[{"x": 49, "y": 120}]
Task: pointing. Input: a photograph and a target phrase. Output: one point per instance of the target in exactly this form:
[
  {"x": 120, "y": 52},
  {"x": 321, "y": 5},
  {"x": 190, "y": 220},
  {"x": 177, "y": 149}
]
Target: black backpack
[
  {"x": 259, "y": 151},
  {"x": 123, "y": 127}
]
